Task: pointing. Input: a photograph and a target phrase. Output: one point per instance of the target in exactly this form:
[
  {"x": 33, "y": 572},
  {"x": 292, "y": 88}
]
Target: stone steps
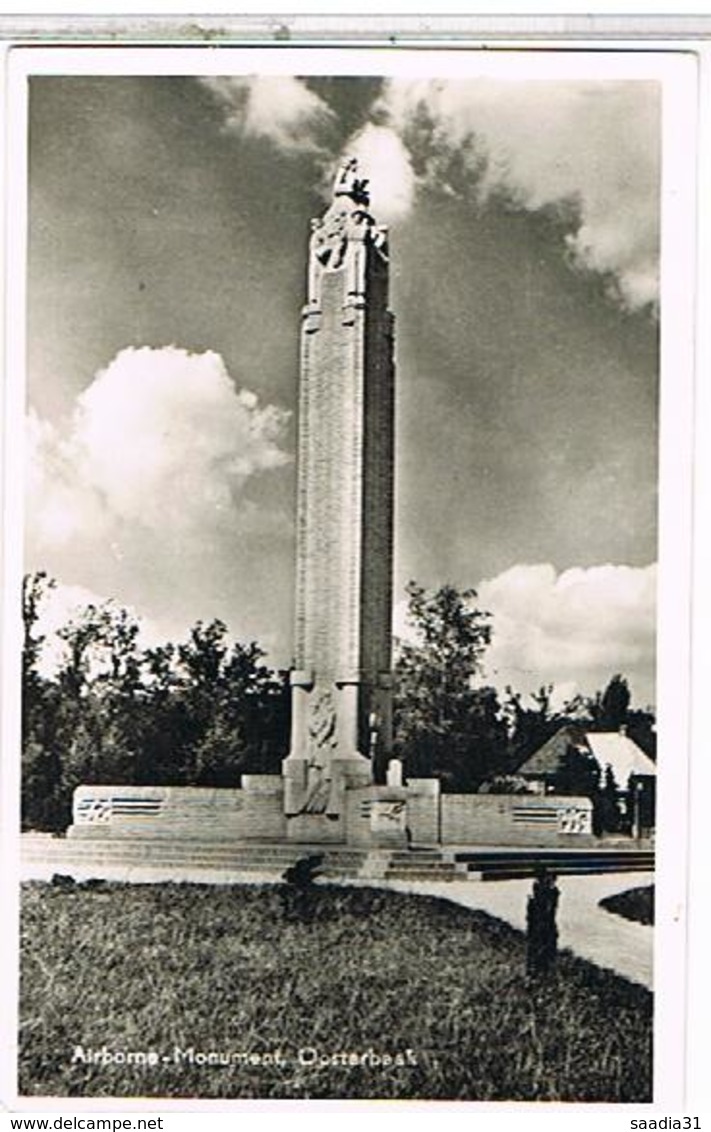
[
  {"x": 162, "y": 856},
  {"x": 428, "y": 875},
  {"x": 513, "y": 864},
  {"x": 166, "y": 859},
  {"x": 496, "y": 865},
  {"x": 406, "y": 867},
  {"x": 136, "y": 846},
  {"x": 424, "y": 864}
]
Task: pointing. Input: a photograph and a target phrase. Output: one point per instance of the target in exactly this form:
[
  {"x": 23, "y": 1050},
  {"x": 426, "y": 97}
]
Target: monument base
[
  {"x": 318, "y": 790},
  {"x": 367, "y": 815},
  {"x": 370, "y": 816},
  {"x": 316, "y": 829},
  {"x": 383, "y": 817}
]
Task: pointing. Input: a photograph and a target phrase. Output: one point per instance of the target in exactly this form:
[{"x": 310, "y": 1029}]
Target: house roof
[
  {"x": 610, "y": 748},
  {"x": 615, "y": 749},
  {"x": 547, "y": 759}
]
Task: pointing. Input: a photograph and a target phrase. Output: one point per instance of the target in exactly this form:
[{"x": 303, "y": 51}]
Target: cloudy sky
[{"x": 169, "y": 219}]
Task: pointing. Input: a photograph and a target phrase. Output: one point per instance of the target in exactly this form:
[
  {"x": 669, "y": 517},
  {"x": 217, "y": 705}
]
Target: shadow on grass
[{"x": 203, "y": 991}]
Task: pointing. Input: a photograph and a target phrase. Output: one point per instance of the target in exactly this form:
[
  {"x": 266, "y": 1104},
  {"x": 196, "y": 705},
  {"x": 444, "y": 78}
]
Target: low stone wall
[
  {"x": 374, "y": 816},
  {"x": 188, "y": 812},
  {"x": 516, "y": 819}
]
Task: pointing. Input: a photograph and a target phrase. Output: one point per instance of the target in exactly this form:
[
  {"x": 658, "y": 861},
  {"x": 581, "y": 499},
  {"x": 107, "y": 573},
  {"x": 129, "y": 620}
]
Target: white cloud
[
  {"x": 574, "y": 629},
  {"x": 154, "y": 494},
  {"x": 160, "y": 439},
  {"x": 278, "y": 107},
  {"x": 59, "y": 507},
  {"x": 594, "y": 144},
  {"x": 384, "y": 159}
]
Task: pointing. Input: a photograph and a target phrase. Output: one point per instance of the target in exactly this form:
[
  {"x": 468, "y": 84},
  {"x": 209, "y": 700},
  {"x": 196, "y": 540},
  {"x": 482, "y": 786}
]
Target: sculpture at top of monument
[
  {"x": 348, "y": 184},
  {"x": 347, "y": 218}
]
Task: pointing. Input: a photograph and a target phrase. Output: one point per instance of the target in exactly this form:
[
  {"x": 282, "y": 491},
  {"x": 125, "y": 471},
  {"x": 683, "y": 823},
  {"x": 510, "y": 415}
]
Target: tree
[
  {"x": 235, "y": 715},
  {"x": 35, "y": 589},
  {"x": 100, "y": 684},
  {"x": 642, "y": 729},
  {"x": 530, "y": 727},
  {"x": 199, "y": 713},
  {"x": 609, "y": 814},
  {"x": 615, "y": 704},
  {"x": 578, "y": 773},
  {"x": 444, "y": 724},
  {"x": 43, "y": 804}
]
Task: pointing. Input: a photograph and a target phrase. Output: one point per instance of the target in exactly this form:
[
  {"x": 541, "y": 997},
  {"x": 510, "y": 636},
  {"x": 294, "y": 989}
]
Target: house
[{"x": 634, "y": 772}]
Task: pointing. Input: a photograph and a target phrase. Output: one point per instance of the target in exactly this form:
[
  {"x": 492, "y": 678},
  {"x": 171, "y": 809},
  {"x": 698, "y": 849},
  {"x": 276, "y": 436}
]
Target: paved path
[{"x": 588, "y": 930}]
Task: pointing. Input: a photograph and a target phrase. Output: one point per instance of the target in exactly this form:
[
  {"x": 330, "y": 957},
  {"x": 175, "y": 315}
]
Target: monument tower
[
  {"x": 330, "y": 790},
  {"x": 341, "y": 683}
]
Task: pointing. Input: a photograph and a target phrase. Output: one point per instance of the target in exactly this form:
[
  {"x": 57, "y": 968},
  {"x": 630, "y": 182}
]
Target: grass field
[
  {"x": 301, "y": 1008},
  {"x": 635, "y": 904}
]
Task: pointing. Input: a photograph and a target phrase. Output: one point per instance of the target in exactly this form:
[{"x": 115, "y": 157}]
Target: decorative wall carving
[{"x": 322, "y": 720}]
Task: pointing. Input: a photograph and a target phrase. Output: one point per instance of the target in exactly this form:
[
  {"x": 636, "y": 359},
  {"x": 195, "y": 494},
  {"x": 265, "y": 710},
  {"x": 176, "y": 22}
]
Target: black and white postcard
[{"x": 348, "y": 466}]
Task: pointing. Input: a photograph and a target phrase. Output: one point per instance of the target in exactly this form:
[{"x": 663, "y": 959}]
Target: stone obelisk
[{"x": 341, "y": 683}]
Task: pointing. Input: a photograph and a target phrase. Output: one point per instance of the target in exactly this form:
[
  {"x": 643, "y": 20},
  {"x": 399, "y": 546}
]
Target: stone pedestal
[
  {"x": 315, "y": 796},
  {"x": 388, "y": 821}
]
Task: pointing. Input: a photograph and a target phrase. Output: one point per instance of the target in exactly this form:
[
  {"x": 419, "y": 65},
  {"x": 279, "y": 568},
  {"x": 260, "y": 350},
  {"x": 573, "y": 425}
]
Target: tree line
[
  {"x": 205, "y": 711},
  {"x": 198, "y": 713}
]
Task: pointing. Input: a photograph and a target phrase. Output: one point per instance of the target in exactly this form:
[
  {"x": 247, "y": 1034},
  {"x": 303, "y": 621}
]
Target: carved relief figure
[
  {"x": 322, "y": 739},
  {"x": 331, "y": 239}
]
